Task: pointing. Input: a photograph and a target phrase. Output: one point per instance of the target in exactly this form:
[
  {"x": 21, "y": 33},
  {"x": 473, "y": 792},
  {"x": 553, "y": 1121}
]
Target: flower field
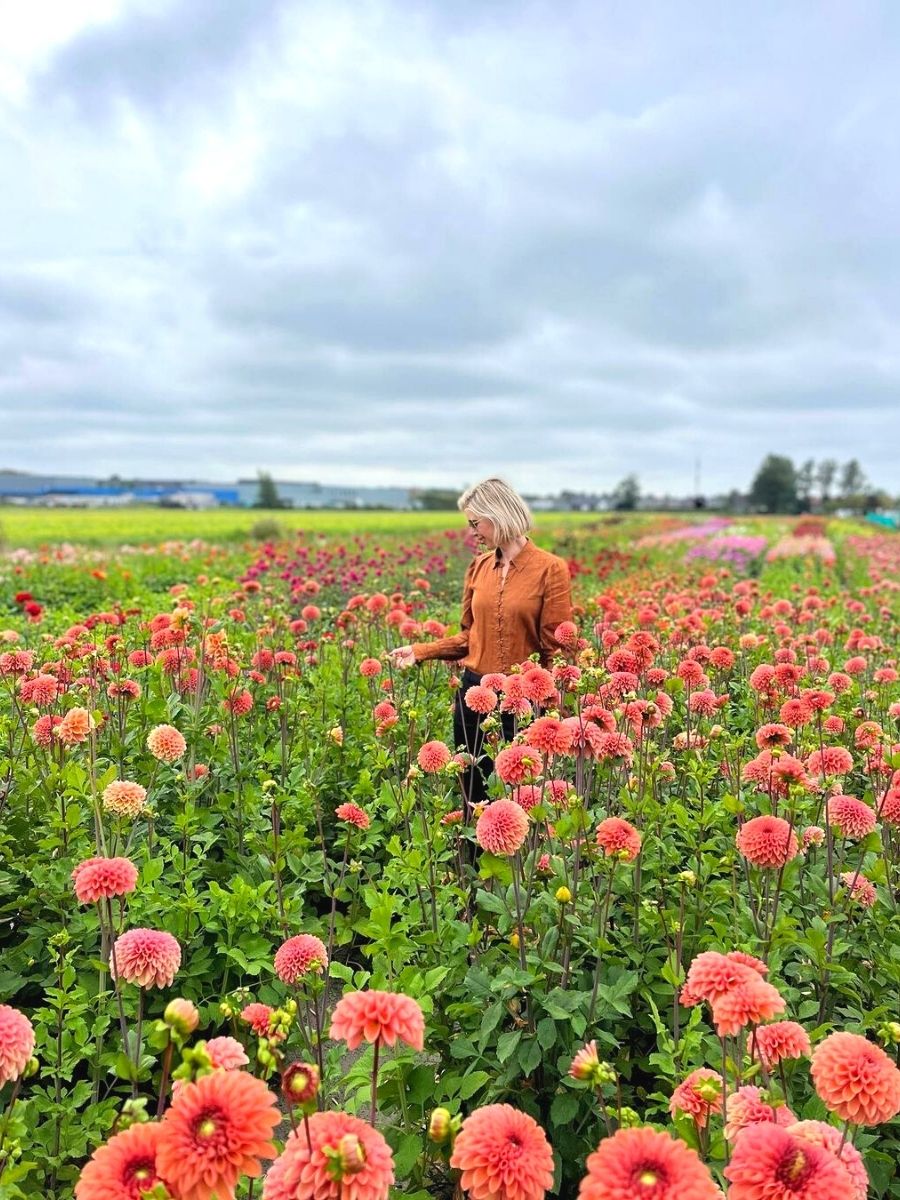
[{"x": 253, "y": 945}]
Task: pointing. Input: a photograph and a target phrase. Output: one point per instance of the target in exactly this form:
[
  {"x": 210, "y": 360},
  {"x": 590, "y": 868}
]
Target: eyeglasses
[{"x": 474, "y": 524}]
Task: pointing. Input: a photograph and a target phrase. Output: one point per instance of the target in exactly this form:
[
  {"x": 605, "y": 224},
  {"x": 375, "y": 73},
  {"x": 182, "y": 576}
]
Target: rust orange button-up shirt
[{"x": 506, "y": 621}]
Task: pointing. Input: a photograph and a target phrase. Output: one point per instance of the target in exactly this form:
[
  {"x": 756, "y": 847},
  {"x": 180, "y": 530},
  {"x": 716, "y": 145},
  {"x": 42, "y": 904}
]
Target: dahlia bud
[
  {"x": 181, "y": 1017},
  {"x": 300, "y": 1083},
  {"x": 627, "y": 1117},
  {"x": 716, "y": 730},
  {"x": 31, "y": 1068},
  {"x": 688, "y": 878},
  {"x": 514, "y": 940},
  {"x": 587, "y": 1067},
  {"x": 134, "y": 1112},
  {"x": 226, "y": 1009},
  {"x": 439, "y": 1126},
  {"x": 563, "y": 895},
  {"x": 195, "y": 1061},
  {"x": 336, "y": 734},
  {"x": 268, "y": 784},
  {"x": 890, "y": 1032},
  {"x": 709, "y": 1090}
]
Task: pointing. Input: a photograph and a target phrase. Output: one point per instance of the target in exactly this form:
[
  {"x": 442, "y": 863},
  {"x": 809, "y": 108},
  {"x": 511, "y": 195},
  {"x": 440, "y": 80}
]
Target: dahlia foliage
[{"x": 262, "y": 938}]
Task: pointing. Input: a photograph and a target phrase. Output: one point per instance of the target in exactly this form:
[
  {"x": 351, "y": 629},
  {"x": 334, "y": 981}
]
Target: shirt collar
[{"x": 498, "y": 558}]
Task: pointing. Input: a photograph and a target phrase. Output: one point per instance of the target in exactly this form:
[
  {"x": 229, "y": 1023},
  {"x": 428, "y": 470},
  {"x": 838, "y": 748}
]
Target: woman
[{"x": 514, "y": 597}]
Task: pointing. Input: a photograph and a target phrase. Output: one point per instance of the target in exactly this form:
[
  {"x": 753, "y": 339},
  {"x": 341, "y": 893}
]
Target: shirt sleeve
[
  {"x": 457, "y": 646},
  {"x": 556, "y": 607}
]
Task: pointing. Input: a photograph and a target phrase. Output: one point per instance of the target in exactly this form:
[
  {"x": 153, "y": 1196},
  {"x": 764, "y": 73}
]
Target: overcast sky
[{"x": 420, "y": 242}]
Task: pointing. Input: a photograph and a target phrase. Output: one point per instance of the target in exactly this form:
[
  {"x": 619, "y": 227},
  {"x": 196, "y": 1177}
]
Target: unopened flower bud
[
  {"x": 182, "y": 1017},
  {"x": 890, "y": 1032},
  {"x": 686, "y": 877},
  {"x": 439, "y": 1126},
  {"x": 300, "y": 1083},
  {"x": 563, "y": 895},
  {"x": 348, "y": 1157},
  {"x": 31, "y": 1068},
  {"x": 709, "y": 1090},
  {"x": 514, "y": 940},
  {"x": 627, "y": 1117},
  {"x": 134, "y": 1112},
  {"x": 336, "y": 734}
]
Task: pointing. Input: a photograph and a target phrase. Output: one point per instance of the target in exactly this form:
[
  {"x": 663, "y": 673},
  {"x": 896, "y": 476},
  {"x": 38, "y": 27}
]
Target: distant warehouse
[{"x": 82, "y": 491}]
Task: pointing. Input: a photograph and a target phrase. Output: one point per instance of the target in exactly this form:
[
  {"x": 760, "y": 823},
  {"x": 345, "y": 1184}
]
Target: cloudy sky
[{"x": 422, "y": 241}]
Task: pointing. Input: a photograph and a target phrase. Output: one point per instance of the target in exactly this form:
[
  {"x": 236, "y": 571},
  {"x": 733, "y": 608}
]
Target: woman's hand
[{"x": 403, "y": 657}]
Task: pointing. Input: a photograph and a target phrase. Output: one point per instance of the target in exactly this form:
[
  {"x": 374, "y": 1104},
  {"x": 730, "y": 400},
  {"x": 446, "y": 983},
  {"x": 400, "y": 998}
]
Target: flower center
[
  {"x": 794, "y": 1169},
  {"x": 649, "y": 1181},
  {"x": 209, "y": 1129}
]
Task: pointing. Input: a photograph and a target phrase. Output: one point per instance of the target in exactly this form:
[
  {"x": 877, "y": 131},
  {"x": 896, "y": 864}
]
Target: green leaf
[
  {"x": 472, "y": 1083},
  {"x": 507, "y": 1043},
  {"x": 546, "y": 1032},
  {"x": 530, "y": 1054},
  {"x": 563, "y": 1108}
]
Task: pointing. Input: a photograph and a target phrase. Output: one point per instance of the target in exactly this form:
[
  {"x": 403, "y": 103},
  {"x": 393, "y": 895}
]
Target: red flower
[
  {"x": 770, "y": 1164},
  {"x": 503, "y": 1155},
  {"x": 635, "y": 1164},
  {"x": 353, "y": 815},
  {"x": 381, "y": 1017},
  {"x": 217, "y": 1130},
  {"x": 124, "y": 1168},
  {"x": 258, "y": 1017},
  {"x": 312, "y": 1170},
  {"x": 549, "y": 736},
  {"x": 856, "y": 1080}
]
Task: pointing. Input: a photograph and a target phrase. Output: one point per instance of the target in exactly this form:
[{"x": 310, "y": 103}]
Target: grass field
[{"x": 36, "y": 526}]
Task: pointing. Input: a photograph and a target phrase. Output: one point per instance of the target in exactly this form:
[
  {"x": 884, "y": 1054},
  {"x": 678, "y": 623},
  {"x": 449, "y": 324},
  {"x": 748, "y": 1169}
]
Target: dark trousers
[{"x": 469, "y": 736}]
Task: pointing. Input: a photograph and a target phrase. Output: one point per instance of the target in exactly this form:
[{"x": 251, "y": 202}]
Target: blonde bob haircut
[{"x": 495, "y": 501}]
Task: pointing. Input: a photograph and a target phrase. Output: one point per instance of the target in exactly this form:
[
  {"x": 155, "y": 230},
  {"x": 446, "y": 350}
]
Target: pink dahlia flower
[
  {"x": 299, "y": 956},
  {"x": 617, "y": 836},
  {"x": 102, "y": 878},
  {"x": 166, "y": 744},
  {"x": 767, "y": 842},
  {"x": 306, "y": 1170},
  {"x": 433, "y": 756},
  {"x": 819, "y": 1133},
  {"x": 856, "y": 1080},
  {"x": 16, "y": 1043},
  {"x": 502, "y": 827},
  {"x": 226, "y": 1053},
  {"x": 147, "y": 957}
]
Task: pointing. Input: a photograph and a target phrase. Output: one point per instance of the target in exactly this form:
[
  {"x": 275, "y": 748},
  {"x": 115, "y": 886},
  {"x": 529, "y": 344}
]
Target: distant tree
[
  {"x": 853, "y": 480},
  {"x": 437, "y": 499},
  {"x": 267, "y": 495},
  {"x": 626, "y": 493},
  {"x": 825, "y": 473},
  {"x": 805, "y": 478},
  {"x": 775, "y": 487}
]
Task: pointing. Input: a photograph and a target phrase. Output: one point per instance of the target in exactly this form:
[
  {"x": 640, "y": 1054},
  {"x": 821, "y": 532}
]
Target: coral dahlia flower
[
  {"x": 549, "y": 736},
  {"x": 781, "y": 1040},
  {"x": 538, "y": 684},
  {"x": 378, "y": 1017},
  {"x": 216, "y": 1131},
  {"x": 124, "y": 1168},
  {"x": 102, "y": 878},
  {"x": 770, "y": 1164},
  {"x": 746, "y": 1107},
  {"x": 711, "y": 974},
  {"x": 16, "y": 1043},
  {"x": 819, "y": 1133},
  {"x": 862, "y": 890},
  {"x": 480, "y": 699},
  {"x": 855, "y": 1079},
  {"x": 768, "y": 736},
  {"x": 853, "y": 818},
  {"x": 502, "y": 827},
  {"x": 831, "y": 760},
  {"x": 226, "y": 1053},
  {"x": 305, "y": 1170},
  {"x": 352, "y": 814},
  {"x": 644, "y": 1164},
  {"x": 124, "y": 799},
  {"x": 503, "y": 1155},
  {"x": 299, "y": 956},
  {"x": 433, "y": 756},
  {"x": 75, "y": 727},
  {"x": 258, "y": 1017},
  {"x": 748, "y": 1003},
  {"x": 617, "y": 836},
  {"x": 767, "y": 842},
  {"x": 687, "y": 1096},
  {"x": 166, "y": 744},
  {"x": 147, "y": 957},
  {"x": 517, "y": 764}
]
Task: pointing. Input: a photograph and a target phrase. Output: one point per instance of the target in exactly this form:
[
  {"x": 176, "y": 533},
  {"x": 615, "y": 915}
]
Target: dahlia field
[{"x": 255, "y": 946}]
